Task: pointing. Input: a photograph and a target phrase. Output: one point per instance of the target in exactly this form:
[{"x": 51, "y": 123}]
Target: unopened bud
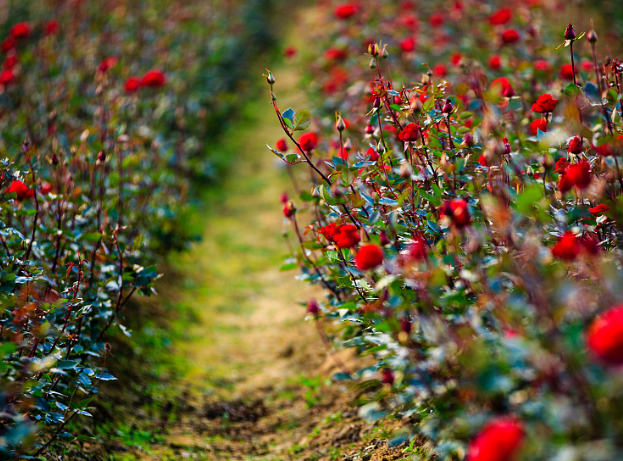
[
  {"x": 377, "y": 102},
  {"x": 384, "y": 53},
  {"x": 340, "y": 125},
  {"x": 373, "y": 49},
  {"x": 448, "y": 107},
  {"x": 270, "y": 78},
  {"x": 372, "y": 63},
  {"x": 54, "y": 159},
  {"x": 569, "y": 33},
  {"x": 508, "y": 91},
  {"x": 468, "y": 139},
  {"x": 369, "y": 129},
  {"x": 101, "y": 156},
  {"x": 313, "y": 308},
  {"x": 591, "y": 36}
]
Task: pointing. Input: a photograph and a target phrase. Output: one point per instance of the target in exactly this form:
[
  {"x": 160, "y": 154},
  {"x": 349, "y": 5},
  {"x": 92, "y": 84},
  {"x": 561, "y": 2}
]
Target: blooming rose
[
  {"x": 599, "y": 209},
  {"x": 575, "y": 145},
  {"x": 410, "y": 133},
  {"x": 345, "y": 11},
  {"x": 495, "y": 62},
  {"x": 407, "y": 45},
  {"x": 22, "y": 190},
  {"x": 282, "y": 145},
  {"x": 545, "y": 103},
  {"x": 20, "y": 30},
  {"x": 132, "y": 84},
  {"x": 568, "y": 247},
  {"x": 457, "y": 211},
  {"x": 500, "y": 440},
  {"x": 154, "y": 79},
  {"x": 539, "y": 124},
  {"x": 605, "y": 336},
  {"x": 566, "y": 72},
  {"x": 369, "y": 257},
  {"x": 500, "y": 17},
  {"x": 308, "y": 141},
  {"x": 510, "y": 36}
]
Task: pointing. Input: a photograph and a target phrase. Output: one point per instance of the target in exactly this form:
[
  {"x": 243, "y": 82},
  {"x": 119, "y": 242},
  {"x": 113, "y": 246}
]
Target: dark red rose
[
  {"x": 567, "y": 248},
  {"x": 369, "y": 257},
  {"x": 457, "y": 211},
  {"x": 418, "y": 250},
  {"x": 545, "y": 103},
  {"x": 436, "y": 19},
  {"x": 510, "y": 36},
  {"x": 575, "y": 145},
  {"x": 500, "y": 440},
  {"x": 410, "y": 133},
  {"x": 289, "y": 209},
  {"x": 20, "y": 30},
  {"x": 22, "y": 190},
  {"x": 313, "y": 308},
  {"x": 51, "y": 27},
  {"x": 153, "y": 79},
  {"x": 605, "y": 336},
  {"x": 387, "y": 376},
  {"x": 289, "y": 52},
  {"x": 282, "y": 145},
  {"x": 8, "y": 44},
  {"x": 107, "y": 63},
  {"x": 561, "y": 166},
  {"x": 308, "y": 141},
  {"x": 132, "y": 84}
]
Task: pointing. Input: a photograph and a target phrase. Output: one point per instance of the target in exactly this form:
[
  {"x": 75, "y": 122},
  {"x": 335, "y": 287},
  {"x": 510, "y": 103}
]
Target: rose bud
[
  {"x": 468, "y": 139},
  {"x": 289, "y": 209},
  {"x": 575, "y": 145},
  {"x": 383, "y": 238},
  {"x": 372, "y": 63},
  {"x": 448, "y": 107},
  {"x": 54, "y": 159},
  {"x": 282, "y": 145},
  {"x": 373, "y": 49},
  {"x": 284, "y": 198},
  {"x": 591, "y": 36},
  {"x": 387, "y": 376},
  {"x": 605, "y": 336},
  {"x": 313, "y": 308},
  {"x": 101, "y": 156},
  {"x": 508, "y": 91},
  {"x": 369, "y": 129},
  {"x": 569, "y": 33},
  {"x": 377, "y": 102},
  {"x": 339, "y": 124}
]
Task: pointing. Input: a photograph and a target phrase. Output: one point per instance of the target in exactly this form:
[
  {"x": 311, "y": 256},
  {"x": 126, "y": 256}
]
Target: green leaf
[
  {"x": 572, "y": 90},
  {"x": 302, "y": 119}
]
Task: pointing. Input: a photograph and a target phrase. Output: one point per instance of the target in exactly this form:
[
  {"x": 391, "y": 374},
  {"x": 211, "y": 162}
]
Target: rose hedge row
[
  {"x": 107, "y": 111},
  {"x": 467, "y": 228}
]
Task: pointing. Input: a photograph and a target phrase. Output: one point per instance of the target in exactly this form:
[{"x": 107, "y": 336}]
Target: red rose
[
  {"x": 575, "y": 145},
  {"x": 587, "y": 65},
  {"x": 387, "y": 376},
  {"x": 335, "y": 54},
  {"x": 345, "y": 11},
  {"x": 418, "y": 250},
  {"x": 500, "y": 440},
  {"x": 289, "y": 52},
  {"x": 543, "y": 66},
  {"x": 282, "y": 145},
  {"x": 457, "y": 211},
  {"x": 500, "y": 17},
  {"x": 107, "y": 63},
  {"x": 132, "y": 84},
  {"x": 440, "y": 70},
  {"x": 46, "y": 188},
  {"x": 407, "y": 45},
  {"x": 308, "y": 141},
  {"x": 501, "y": 85},
  {"x": 561, "y": 166},
  {"x": 20, "y": 30},
  {"x": 346, "y": 236},
  {"x": 510, "y": 36},
  {"x": 22, "y": 190},
  {"x": 579, "y": 174},
  {"x": 456, "y": 59},
  {"x": 567, "y": 248},
  {"x": 483, "y": 160},
  {"x": 495, "y": 62},
  {"x": 539, "y": 124},
  {"x": 545, "y": 103},
  {"x": 6, "y": 77},
  {"x": 154, "y": 79},
  {"x": 289, "y": 209},
  {"x": 51, "y": 27},
  {"x": 369, "y": 257},
  {"x": 11, "y": 60},
  {"x": 605, "y": 336},
  {"x": 410, "y": 133},
  {"x": 566, "y": 72},
  {"x": 373, "y": 154},
  {"x": 599, "y": 209},
  {"x": 8, "y": 44},
  {"x": 605, "y": 151},
  {"x": 435, "y": 19}
]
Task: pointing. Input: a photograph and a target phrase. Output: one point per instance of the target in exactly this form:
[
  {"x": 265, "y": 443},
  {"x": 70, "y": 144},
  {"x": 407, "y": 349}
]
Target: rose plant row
[{"x": 466, "y": 223}]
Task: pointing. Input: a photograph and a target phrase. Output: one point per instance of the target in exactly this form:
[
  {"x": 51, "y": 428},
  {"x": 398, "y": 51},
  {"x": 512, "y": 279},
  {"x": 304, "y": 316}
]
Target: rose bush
[
  {"x": 107, "y": 112},
  {"x": 486, "y": 277}
]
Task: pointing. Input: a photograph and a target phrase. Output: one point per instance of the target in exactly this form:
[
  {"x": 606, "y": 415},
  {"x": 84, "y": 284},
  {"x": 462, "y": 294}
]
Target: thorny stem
[{"x": 598, "y": 77}]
